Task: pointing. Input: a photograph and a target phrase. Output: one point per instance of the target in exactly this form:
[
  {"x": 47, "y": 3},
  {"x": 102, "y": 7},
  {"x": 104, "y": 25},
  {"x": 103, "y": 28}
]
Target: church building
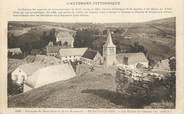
[{"x": 109, "y": 51}]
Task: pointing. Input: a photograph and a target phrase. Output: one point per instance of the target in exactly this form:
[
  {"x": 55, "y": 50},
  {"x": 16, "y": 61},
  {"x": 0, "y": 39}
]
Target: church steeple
[
  {"x": 109, "y": 51},
  {"x": 109, "y": 42}
]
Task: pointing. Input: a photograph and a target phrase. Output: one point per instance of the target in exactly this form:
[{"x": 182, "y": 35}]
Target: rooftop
[
  {"x": 30, "y": 68},
  {"x": 72, "y": 51},
  {"x": 90, "y": 54}
]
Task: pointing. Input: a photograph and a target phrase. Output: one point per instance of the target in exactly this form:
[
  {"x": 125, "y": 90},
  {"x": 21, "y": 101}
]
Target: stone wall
[{"x": 138, "y": 83}]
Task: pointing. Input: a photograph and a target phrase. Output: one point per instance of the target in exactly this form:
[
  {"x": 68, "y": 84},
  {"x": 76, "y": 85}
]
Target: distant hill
[
  {"x": 157, "y": 36},
  {"x": 167, "y": 25}
]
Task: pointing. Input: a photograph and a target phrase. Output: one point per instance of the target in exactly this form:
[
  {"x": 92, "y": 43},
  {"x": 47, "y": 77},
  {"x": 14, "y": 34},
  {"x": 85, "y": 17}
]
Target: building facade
[
  {"x": 52, "y": 50},
  {"x": 92, "y": 57},
  {"x": 71, "y": 54},
  {"x": 64, "y": 39}
]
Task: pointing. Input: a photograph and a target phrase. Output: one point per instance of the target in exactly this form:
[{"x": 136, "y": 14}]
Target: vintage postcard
[{"x": 78, "y": 56}]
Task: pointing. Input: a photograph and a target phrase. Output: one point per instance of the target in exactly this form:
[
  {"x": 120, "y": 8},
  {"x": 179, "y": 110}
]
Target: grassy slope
[
  {"x": 89, "y": 90},
  {"x": 158, "y": 47}
]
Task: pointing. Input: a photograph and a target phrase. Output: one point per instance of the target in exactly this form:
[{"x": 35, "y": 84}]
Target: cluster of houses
[{"x": 39, "y": 73}]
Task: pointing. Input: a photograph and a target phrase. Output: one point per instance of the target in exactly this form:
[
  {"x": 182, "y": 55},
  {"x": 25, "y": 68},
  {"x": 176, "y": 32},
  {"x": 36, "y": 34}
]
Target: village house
[
  {"x": 71, "y": 54},
  {"x": 52, "y": 50},
  {"x": 92, "y": 57},
  {"x": 21, "y": 73},
  {"x": 64, "y": 39},
  {"x": 64, "y": 36},
  {"x": 133, "y": 60},
  {"x": 163, "y": 65},
  {"x": 34, "y": 75}
]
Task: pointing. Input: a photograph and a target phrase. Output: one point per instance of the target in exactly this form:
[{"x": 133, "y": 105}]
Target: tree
[
  {"x": 84, "y": 38},
  {"x": 139, "y": 48},
  {"x": 12, "y": 40},
  {"x": 26, "y": 48},
  {"x": 52, "y": 36}
]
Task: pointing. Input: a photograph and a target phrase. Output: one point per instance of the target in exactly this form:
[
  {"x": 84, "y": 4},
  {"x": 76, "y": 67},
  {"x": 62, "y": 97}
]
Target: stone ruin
[{"x": 135, "y": 82}]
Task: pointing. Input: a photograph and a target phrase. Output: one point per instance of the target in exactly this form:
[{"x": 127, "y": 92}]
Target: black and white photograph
[{"x": 92, "y": 65}]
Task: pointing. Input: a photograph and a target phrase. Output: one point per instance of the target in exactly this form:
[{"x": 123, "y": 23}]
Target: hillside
[{"x": 89, "y": 90}]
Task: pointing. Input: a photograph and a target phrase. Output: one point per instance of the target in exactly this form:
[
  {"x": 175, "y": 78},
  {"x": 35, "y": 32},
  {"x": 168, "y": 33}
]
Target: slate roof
[
  {"x": 72, "y": 51},
  {"x": 90, "y": 54},
  {"x": 132, "y": 57}
]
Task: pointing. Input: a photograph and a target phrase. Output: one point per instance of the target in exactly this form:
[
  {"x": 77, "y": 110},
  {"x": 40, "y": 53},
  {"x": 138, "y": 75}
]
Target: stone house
[
  {"x": 65, "y": 39},
  {"x": 21, "y": 73},
  {"x": 92, "y": 57},
  {"x": 52, "y": 50},
  {"x": 35, "y": 75},
  {"x": 132, "y": 59}
]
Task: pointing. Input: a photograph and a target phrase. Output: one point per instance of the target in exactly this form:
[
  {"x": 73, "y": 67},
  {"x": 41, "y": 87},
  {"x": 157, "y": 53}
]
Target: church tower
[{"x": 109, "y": 51}]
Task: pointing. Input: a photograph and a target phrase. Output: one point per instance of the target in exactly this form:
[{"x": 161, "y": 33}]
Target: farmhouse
[
  {"x": 71, "y": 54},
  {"x": 21, "y": 73},
  {"x": 91, "y": 57},
  {"x": 64, "y": 39},
  {"x": 35, "y": 75},
  {"x": 134, "y": 60},
  {"x": 163, "y": 65}
]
